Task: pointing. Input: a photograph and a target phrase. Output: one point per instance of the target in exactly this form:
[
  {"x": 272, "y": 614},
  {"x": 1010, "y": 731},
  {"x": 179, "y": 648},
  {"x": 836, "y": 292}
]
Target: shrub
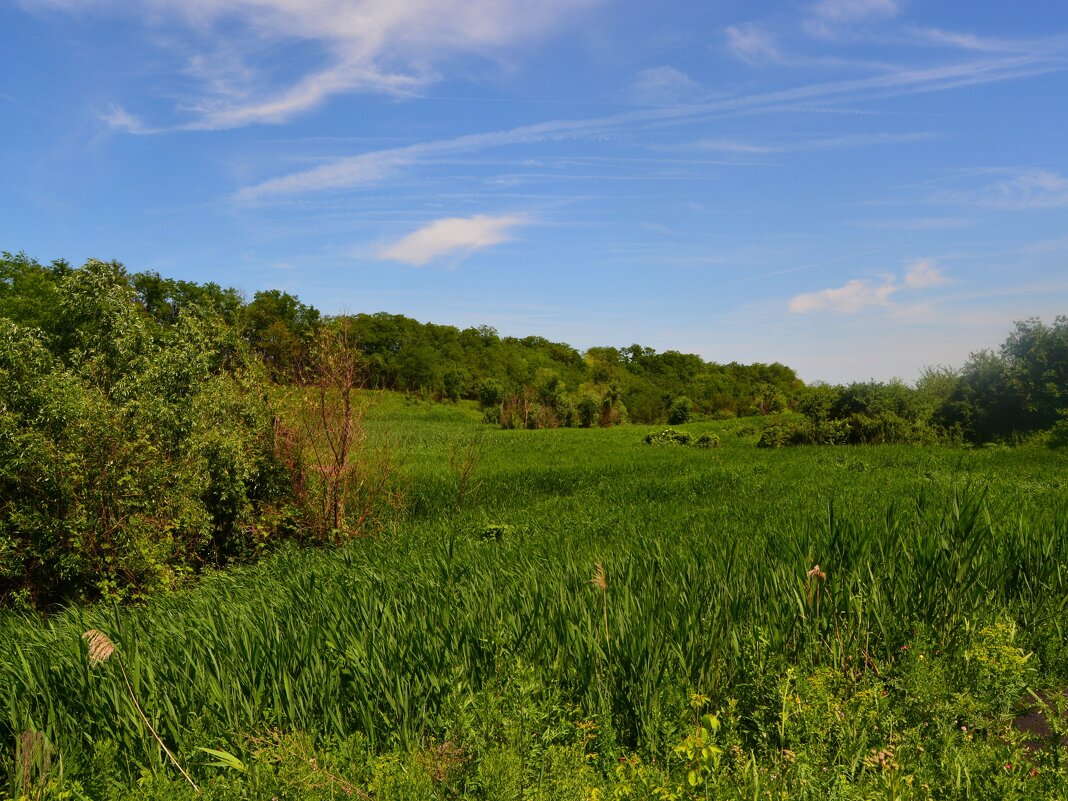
[
  {"x": 708, "y": 440},
  {"x": 830, "y": 432},
  {"x": 999, "y": 670},
  {"x": 1058, "y": 435},
  {"x": 887, "y": 428},
  {"x": 495, "y": 531},
  {"x": 783, "y": 434},
  {"x": 669, "y": 436}
]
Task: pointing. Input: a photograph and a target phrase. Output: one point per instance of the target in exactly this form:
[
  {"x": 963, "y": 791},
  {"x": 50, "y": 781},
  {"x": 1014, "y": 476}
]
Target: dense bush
[
  {"x": 669, "y": 436},
  {"x": 1058, "y": 434},
  {"x": 884, "y": 428},
  {"x": 871, "y": 413},
  {"x": 130, "y": 453},
  {"x": 779, "y": 435},
  {"x": 707, "y": 440}
]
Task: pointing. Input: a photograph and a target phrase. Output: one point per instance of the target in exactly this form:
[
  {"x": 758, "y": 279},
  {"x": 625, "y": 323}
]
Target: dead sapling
[
  {"x": 465, "y": 456},
  {"x": 356, "y": 474}
]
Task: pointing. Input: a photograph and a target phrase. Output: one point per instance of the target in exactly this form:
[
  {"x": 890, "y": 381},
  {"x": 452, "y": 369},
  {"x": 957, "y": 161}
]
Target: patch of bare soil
[{"x": 1035, "y": 719}]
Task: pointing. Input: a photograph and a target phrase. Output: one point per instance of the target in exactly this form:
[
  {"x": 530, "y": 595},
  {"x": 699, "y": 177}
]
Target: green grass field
[{"x": 593, "y": 618}]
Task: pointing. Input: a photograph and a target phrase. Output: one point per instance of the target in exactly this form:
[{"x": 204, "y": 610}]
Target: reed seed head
[
  {"x": 100, "y": 646},
  {"x": 816, "y": 573},
  {"x": 600, "y": 578}
]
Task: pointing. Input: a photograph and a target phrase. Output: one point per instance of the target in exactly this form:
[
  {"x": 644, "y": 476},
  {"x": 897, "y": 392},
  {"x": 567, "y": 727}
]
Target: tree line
[
  {"x": 531, "y": 380},
  {"x": 1016, "y": 393}
]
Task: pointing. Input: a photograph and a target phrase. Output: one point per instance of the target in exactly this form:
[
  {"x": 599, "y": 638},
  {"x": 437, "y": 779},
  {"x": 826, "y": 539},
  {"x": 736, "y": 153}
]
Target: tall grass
[{"x": 701, "y": 563}]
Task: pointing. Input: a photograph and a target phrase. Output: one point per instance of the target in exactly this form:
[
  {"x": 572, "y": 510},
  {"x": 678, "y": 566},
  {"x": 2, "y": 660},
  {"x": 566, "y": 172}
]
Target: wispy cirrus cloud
[
  {"x": 451, "y": 236},
  {"x": 747, "y": 147},
  {"x": 964, "y": 40},
  {"x": 829, "y": 18},
  {"x": 1023, "y": 189},
  {"x": 752, "y": 43},
  {"x": 119, "y": 119},
  {"x": 373, "y": 166},
  {"x": 384, "y": 46},
  {"x": 860, "y": 294},
  {"x": 918, "y": 224},
  {"x": 663, "y": 85}
]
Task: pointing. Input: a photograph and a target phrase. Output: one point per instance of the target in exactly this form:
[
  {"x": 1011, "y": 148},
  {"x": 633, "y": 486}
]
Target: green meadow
[{"x": 574, "y": 614}]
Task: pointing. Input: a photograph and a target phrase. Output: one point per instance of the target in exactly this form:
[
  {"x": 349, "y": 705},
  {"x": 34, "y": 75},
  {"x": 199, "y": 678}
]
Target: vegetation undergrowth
[{"x": 639, "y": 623}]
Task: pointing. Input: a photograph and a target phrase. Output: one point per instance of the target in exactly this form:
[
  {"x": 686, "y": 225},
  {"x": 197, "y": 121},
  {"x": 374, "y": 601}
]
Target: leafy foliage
[{"x": 130, "y": 452}]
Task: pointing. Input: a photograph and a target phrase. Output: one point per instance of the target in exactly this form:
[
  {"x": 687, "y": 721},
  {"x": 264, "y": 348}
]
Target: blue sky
[{"x": 856, "y": 188}]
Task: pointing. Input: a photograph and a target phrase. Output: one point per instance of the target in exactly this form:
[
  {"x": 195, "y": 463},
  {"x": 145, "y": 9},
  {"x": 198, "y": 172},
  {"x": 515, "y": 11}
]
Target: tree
[
  {"x": 680, "y": 410},
  {"x": 29, "y": 292},
  {"x": 817, "y": 402},
  {"x": 1036, "y": 359},
  {"x": 613, "y": 410},
  {"x": 768, "y": 399},
  {"x": 587, "y": 408},
  {"x": 281, "y": 329}
]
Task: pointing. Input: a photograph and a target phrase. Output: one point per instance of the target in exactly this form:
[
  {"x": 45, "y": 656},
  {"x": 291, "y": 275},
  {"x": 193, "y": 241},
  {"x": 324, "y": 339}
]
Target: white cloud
[
  {"x": 389, "y": 46},
  {"x": 752, "y": 44},
  {"x": 450, "y": 235},
  {"x": 848, "y": 299},
  {"x": 924, "y": 273},
  {"x": 859, "y": 294},
  {"x": 661, "y": 85}
]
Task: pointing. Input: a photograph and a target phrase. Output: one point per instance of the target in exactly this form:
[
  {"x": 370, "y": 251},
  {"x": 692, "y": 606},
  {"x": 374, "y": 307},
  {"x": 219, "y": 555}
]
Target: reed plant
[{"x": 719, "y": 573}]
